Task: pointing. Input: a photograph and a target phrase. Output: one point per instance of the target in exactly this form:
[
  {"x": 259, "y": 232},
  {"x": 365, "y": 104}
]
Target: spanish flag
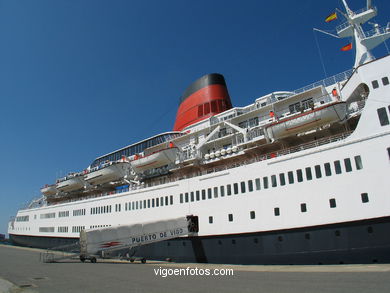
[
  {"x": 331, "y": 17},
  {"x": 347, "y": 47}
]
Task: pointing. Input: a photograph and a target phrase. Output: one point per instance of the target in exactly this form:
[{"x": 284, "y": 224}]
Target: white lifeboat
[
  {"x": 49, "y": 190},
  {"x": 154, "y": 160},
  {"x": 310, "y": 119},
  {"x": 71, "y": 183},
  {"x": 107, "y": 172}
]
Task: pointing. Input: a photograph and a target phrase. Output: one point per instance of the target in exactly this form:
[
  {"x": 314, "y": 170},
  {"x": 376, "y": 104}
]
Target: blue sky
[{"x": 79, "y": 79}]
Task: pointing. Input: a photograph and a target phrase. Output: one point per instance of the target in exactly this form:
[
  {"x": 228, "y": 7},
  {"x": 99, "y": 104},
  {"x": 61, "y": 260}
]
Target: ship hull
[{"x": 364, "y": 241}]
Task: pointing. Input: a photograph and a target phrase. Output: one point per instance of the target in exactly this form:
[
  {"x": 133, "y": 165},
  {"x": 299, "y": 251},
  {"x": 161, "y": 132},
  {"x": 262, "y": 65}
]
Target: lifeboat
[
  {"x": 49, "y": 190},
  {"x": 307, "y": 120},
  {"x": 71, "y": 182},
  {"x": 108, "y": 172},
  {"x": 154, "y": 160}
]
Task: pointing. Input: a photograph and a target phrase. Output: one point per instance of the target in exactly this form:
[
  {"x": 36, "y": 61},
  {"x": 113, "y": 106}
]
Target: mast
[{"x": 364, "y": 41}]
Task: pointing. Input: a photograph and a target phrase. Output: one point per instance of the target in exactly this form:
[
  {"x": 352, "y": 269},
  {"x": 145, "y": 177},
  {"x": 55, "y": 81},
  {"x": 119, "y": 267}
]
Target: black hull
[{"x": 366, "y": 241}]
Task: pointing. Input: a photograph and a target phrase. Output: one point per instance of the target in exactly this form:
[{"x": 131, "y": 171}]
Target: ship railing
[
  {"x": 327, "y": 81},
  {"x": 347, "y": 24},
  {"x": 377, "y": 31},
  {"x": 283, "y": 152}
]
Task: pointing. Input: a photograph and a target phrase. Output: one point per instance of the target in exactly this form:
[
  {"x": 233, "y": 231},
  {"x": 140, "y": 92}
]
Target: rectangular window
[
  {"x": 200, "y": 110},
  {"x": 242, "y": 186},
  {"x": 273, "y": 181},
  {"x": 215, "y": 192},
  {"x": 166, "y": 200},
  {"x": 337, "y": 167},
  {"x": 148, "y": 203},
  {"x": 277, "y": 211},
  {"x": 332, "y": 203},
  {"x": 170, "y": 200},
  {"x": 229, "y": 189},
  {"x": 140, "y": 204},
  {"x": 158, "y": 203},
  {"x": 385, "y": 80},
  {"x": 265, "y": 182},
  {"x": 206, "y": 108},
  {"x": 375, "y": 84},
  {"x": 303, "y": 208},
  {"x": 181, "y": 197},
  {"x": 382, "y": 115},
  {"x": 250, "y": 185},
  {"x": 192, "y": 196},
  {"x": 235, "y": 188},
  {"x": 203, "y": 194},
  {"x": 348, "y": 166},
  {"x": 282, "y": 179},
  {"x": 358, "y": 163},
  {"x": 209, "y": 193},
  {"x": 222, "y": 189},
  {"x": 257, "y": 181},
  {"x": 230, "y": 217},
  {"x": 290, "y": 176},
  {"x": 214, "y": 106},
  {"x": 365, "y": 197},
  {"x": 161, "y": 201},
  {"x": 252, "y": 215},
  {"x": 136, "y": 205},
  {"x": 328, "y": 171},
  {"x": 317, "y": 169},
  {"x": 210, "y": 220},
  {"x": 197, "y": 194},
  {"x": 186, "y": 197},
  {"x": 299, "y": 175},
  {"x": 152, "y": 202},
  {"x": 309, "y": 176}
]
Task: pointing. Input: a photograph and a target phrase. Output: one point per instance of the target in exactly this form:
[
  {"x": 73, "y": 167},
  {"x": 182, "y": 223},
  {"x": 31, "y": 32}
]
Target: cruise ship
[{"x": 296, "y": 177}]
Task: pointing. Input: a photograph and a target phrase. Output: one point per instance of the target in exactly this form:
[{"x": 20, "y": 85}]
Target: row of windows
[
  {"x": 98, "y": 226},
  {"x": 63, "y": 214},
  {"x": 77, "y": 229},
  {"x": 62, "y": 229},
  {"x": 48, "y": 216},
  {"x": 80, "y": 212},
  {"x": 215, "y": 106},
  {"x": 149, "y": 203},
  {"x": 46, "y": 229},
  {"x": 22, "y": 218},
  {"x": 382, "y": 115},
  {"x": 272, "y": 181},
  {"x": 101, "y": 210},
  {"x": 303, "y": 207},
  {"x": 375, "y": 83}
]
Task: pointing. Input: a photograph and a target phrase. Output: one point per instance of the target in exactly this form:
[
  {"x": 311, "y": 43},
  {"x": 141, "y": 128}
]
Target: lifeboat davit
[
  {"x": 71, "y": 183},
  {"x": 307, "y": 120},
  {"x": 49, "y": 190},
  {"x": 108, "y": 172},
  {"x": 154, "y": 160},
  {"x": 204, "y": 98}
]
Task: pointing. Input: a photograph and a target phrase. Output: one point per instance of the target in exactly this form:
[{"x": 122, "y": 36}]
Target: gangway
[{"x": 98, "y": 243}]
